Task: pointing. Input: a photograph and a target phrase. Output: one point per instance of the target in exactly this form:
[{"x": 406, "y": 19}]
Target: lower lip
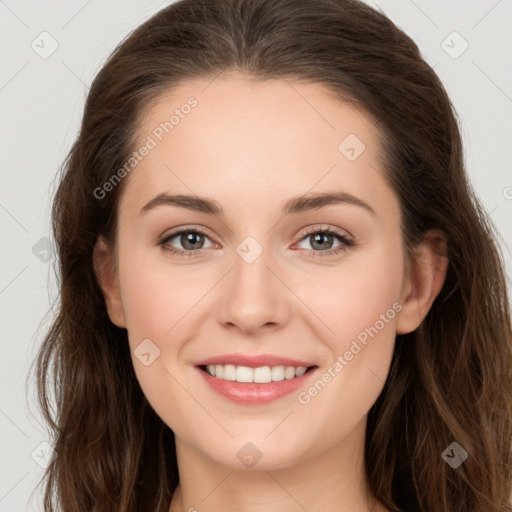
[{"x": 255, "y": 393}]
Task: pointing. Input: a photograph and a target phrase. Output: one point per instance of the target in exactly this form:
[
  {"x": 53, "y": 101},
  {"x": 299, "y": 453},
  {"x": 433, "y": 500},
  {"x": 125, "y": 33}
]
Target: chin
[{"x": 258, "y": 454}]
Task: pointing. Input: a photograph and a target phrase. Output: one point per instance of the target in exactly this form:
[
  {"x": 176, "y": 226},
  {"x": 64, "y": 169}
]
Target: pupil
[
  {"x": 319, "y": 237},
  {"x": 189, "y": 239}
]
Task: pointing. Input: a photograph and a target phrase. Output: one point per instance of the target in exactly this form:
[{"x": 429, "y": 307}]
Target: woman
[{"x": 210, "y": 353}]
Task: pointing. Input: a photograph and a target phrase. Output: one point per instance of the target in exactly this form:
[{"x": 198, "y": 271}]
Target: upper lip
[{"x": 255, "y": 361}]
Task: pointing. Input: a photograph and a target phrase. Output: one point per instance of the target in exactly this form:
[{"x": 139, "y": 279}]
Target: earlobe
[
  {"x": 425, "y": 279},
  {"x": 104, "y": 269}
]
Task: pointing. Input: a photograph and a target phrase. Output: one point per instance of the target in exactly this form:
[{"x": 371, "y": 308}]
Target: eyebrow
[{"x": 293, "y": 206}]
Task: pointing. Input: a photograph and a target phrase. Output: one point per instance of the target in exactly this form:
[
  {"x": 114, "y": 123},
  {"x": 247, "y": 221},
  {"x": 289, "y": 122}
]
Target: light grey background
[{"x": 41, "y": 103}]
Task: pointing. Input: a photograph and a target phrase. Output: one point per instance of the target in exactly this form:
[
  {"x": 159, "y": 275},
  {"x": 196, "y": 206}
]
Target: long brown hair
[{"x": 450, "y": 380}]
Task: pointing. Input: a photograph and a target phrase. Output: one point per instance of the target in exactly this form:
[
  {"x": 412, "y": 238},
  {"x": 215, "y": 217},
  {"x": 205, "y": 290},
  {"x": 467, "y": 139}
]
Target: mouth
[
  {"x": 258, "y": 375},
  {"x": 254, "y": 380}
]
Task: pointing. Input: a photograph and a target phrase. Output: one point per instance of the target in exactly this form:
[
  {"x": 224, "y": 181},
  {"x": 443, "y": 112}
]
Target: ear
[
  {"x": 104, "y": 267},
  {"x": 424, "y": 280}
]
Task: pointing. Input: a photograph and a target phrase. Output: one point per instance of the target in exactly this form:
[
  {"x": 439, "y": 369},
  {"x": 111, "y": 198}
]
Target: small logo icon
[
  {"x": 454, "y": 45},
  {"x": 146, "y": 352},
  {"x": 249, "y": 249},
  {"x": 454, "y": 455},
  {"x": 351, "y": 147},
  {"x": 44, "y": 45},
  {"x": 249, "y": 455},
  {"x": 42, "y": 250},
  {"x": 43, "y": 454}
]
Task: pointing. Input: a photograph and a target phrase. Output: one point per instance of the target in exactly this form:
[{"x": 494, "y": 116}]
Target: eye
[
  {"x": 191, "y": 240},
  {"x": 322, "y": 240}
]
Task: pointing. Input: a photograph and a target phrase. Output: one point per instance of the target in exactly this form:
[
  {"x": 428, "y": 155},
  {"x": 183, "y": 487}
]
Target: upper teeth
[{"x": 260, "y": 375}]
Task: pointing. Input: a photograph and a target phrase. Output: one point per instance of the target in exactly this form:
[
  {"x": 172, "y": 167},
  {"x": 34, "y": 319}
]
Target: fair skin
[{"x": 251, "y": 147}]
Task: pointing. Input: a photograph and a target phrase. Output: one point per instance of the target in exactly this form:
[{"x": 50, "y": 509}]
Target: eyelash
[{"x": 345, "y": 242}]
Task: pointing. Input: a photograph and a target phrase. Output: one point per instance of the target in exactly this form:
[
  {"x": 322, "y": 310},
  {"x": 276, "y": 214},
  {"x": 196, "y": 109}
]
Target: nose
[{"x": 254, "y": 298}]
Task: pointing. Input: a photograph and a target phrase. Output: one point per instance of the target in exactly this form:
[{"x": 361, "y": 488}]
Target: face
[{"x": 260, "y": 274}]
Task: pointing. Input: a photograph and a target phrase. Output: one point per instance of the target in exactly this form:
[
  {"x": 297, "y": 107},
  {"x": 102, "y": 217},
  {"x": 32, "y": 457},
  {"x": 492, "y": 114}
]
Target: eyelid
[
  {"x": 180, "y": 230},
  {"x": 322, "y": 228},
  {"x": 345, "y": 242}
]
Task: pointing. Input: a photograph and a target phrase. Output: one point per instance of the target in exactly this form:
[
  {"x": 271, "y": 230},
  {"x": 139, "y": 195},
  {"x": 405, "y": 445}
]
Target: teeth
[
  {"x": 301, "y": 370},
  {"x": 259, "y": 375},
  {"x": 229, "y": 372},
  {"x": 289, "y": 372},
  {"x": 262, "y": 374},
  {"x": 244, "y": 374},
  {"x": 277, "y": 373}
]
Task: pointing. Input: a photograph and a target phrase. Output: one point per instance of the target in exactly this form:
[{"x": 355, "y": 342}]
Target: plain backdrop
[{"x": 50, "y": 53}]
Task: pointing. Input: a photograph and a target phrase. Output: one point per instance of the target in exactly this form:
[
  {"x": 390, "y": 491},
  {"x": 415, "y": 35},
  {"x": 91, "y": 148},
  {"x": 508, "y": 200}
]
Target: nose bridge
[
  {"x": 253, "y": 296},
  {"x": 251, "y": 264}
]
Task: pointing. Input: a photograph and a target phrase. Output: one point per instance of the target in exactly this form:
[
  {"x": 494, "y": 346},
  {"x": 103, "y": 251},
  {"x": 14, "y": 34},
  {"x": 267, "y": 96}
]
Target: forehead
[
  {"x": 272, "y": 138},
  {"x": 230, "y": 107}
]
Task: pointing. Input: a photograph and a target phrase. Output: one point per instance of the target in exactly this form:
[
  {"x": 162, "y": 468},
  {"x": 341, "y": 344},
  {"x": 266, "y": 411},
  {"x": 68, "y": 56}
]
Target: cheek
[
  {"x": 156, "y": 295},
  {"x": 161, "y": 302},
  {"x": 352, "y": 297},
  {"x": 358, "y": 303},
  {"x": 157, "y": 306},
  {"x": 149, "y": 308}
]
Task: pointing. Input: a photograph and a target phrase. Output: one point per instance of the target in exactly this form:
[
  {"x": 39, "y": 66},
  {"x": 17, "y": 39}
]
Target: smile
[
  {"x": 265, "y": 380},
  {"x": 260, "y": 375}
]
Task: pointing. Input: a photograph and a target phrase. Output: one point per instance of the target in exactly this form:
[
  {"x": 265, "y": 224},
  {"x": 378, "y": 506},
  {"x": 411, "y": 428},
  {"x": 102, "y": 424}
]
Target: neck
[{"x": 332, "y": 481}]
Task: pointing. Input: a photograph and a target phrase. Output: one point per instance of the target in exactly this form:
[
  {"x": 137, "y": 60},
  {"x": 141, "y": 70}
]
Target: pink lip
[
  {"x": 254, "y": 361},
  {"x": 251, "y": 392}
]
